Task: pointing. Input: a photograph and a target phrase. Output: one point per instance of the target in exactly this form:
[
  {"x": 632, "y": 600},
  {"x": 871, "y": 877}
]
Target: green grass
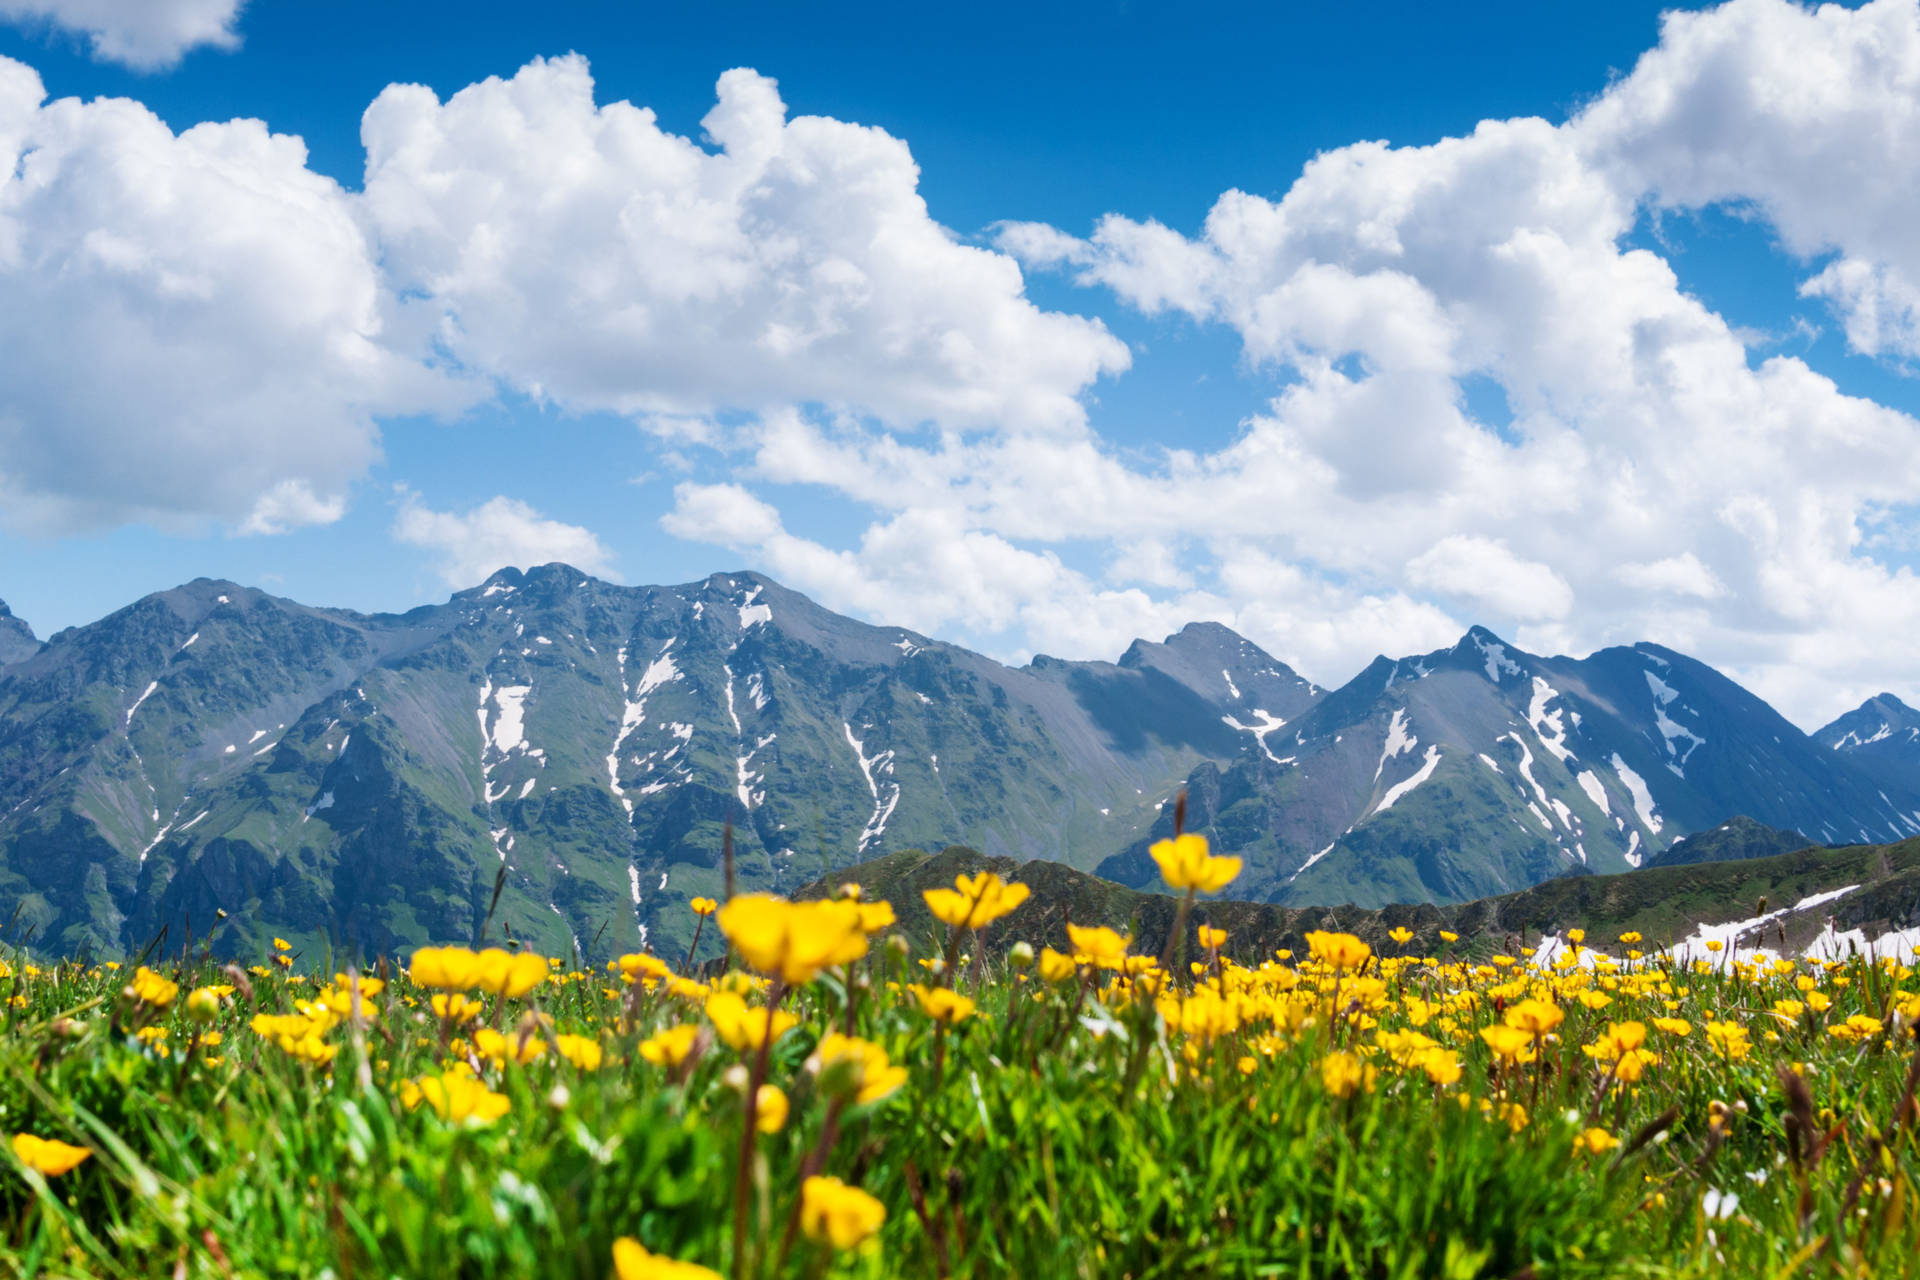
[{"x": 1062, "y": 1131}]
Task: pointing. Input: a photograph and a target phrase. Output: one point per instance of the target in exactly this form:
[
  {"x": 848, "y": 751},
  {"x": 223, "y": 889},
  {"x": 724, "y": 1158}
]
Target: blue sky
[{"x": 1328, "y": 419}]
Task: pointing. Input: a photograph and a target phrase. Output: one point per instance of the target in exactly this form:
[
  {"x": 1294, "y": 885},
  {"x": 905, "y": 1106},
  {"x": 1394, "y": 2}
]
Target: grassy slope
[{"x": 1663, "y": 903}]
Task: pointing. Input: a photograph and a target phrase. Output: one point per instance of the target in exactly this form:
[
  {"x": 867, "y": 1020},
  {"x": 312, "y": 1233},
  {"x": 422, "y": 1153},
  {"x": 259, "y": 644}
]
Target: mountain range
[{"x": 561, "y": 757}]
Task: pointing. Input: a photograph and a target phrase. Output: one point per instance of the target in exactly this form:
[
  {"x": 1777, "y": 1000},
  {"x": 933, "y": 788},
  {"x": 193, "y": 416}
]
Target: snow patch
[
  {"x": 1401, "y": 788},
  {"x": 509, "y": 725},
  {"x": 1590, "y": 783},
  {"x": 1642, "y": 798},
  {"x": 1265, "y": 722},
  {"x": 324, "y": 802},
  {"x": 137, "y": 701},
  {"x": 1547, "y": 724},
  {"x": 873, "y": 769},
  {"x": 1399, "y": 741},
  {"x": 1498, "y": 662},
  {"x": 752, "y": 614}
]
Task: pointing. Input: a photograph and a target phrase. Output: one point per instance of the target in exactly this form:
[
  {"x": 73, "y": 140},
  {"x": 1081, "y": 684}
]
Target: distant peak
[{"x": 4, "y": 611}]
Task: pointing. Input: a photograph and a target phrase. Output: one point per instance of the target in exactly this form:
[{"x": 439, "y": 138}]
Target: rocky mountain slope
[
  {"x": 367, "y": 782},
  {"x": 1881, "y": 737},
  {"x": 16, "y": 637},
  {"x": 361, "y": 781},
  {"x": 1736, "y": 838},
  {"x": 1480, "y": 769}
]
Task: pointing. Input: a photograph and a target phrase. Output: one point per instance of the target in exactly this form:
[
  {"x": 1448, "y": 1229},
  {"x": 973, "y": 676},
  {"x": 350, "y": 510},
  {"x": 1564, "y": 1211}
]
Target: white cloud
[
  {"x": 1681, "y": 575},
  {"x": 194, "y": 323},
  {"x": 1484, "y": 571},
  {"x": 1662, "y": 481},
  {"x": 471, "y": 546},
  {"x": 1812, "y": 115},
  {"x": 148, "y": 35},
  {"x": 580, "y": 253}
]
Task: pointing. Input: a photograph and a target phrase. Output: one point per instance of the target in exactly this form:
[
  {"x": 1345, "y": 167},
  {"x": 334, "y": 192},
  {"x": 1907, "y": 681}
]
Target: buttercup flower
[
  {"x": 975, "y": 901},
  {"x": 834, "y": 1213},
  {"x": 48, "y": 1156},
  {"x": 1186, "y": 865},
  {"x": 632, "y": 1262},
  {"x": 793, "y": 940}
]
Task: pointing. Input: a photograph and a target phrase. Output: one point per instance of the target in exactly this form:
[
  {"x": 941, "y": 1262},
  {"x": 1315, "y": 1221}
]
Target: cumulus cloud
[
  {"x": 1655, "y": 480},
  {"x": 147, "y": 35},
  {"x": 580, "y": 253},
  {"x": 193, "y": 325},
  {"x": 1811, "y": 116},
  {"x": 502, "y": 532},
  {"x": 1484, "y": 571}
]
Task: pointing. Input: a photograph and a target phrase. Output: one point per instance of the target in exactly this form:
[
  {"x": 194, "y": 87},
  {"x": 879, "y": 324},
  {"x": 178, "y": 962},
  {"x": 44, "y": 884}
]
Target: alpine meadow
[{"x": 1068, "y": 642}]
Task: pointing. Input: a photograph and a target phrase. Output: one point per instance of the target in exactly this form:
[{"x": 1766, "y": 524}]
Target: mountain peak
[{"x": 16, "y": 637}]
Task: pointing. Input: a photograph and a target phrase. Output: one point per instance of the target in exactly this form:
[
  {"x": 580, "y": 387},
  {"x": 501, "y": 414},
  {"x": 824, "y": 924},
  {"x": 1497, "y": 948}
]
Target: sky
[{"x": 1034, "y": 328}]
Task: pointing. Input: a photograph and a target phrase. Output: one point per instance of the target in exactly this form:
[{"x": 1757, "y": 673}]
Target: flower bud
[
  {"x": 735, "y": 1078},
  {"x": 203, "y": 1004},
  {"x": 898, "y": 946},
  {"x": 1020, "y": 955}
]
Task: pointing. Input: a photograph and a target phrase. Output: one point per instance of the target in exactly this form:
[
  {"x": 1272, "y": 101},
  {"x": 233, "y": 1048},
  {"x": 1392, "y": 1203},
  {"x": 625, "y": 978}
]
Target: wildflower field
[{"x": 838, "y": 1099}]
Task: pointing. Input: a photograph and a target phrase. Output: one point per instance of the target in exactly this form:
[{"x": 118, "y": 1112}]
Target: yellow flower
[
  {"x": 582, "y": 1052},
  {"x": 1858, "y": 1027},
  {"x": 455, "y": 1096},
  {"x": 281, "y": 944},
  {"x": 860, "y": 1064},
  {"x": 1730, "y": 1038},
  {"x": 688, "y": 989},
  {"x": 1055, "y": 967},
  {"x": 1819, "y": 1001},
  {"x": 149, "y": 987},
  {"x": 1212, "y": 939},
  {"x": 793, "y": 940},
  {"x": 1535, "y": 1017},
  {"x": 1344, "y": 1074},
  {"x": 1595, "y": 1141},
  {"x": 633, "y": 1262},
  {"x": 521, "y": 1048},
  {"x": 509, "y": 974},
  {"x": 741, "y": 1027},
  {"x": 669, "y": 1048},
  {"x": 942, "y": 1004},
  {"x": 837, "y": 1214},
  {"x": 1630, "y": 938},
  {"x": 1400, "y": 934},
  {"x": 975, "y": 901},
  {"x": 1576, "y": 936},
  {"x": 875, "y": 916},
  {"x": 47, "y": 1156},
  {"x": 1508, "y": 1042},
  {"x": 203, "y": 1004},
  {"x": 704, "y": 906},
  {"x": 1674, "y": 1026},
  {"x": 639, "y": 964},
  {"x": 1446, "y": 936},
  {"x": 1186, "y": 864},
  {"x": 456, "y": 1008},
  {"x": 770, "y": 1109},
  {"x": 1098, "y": 946},
  {"x": 1441, "y": 1065},
  {"x": 1339, "y": 950},
  {"x": 444, "y": 968},
  {"x": 1514, "y": 1115}
]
